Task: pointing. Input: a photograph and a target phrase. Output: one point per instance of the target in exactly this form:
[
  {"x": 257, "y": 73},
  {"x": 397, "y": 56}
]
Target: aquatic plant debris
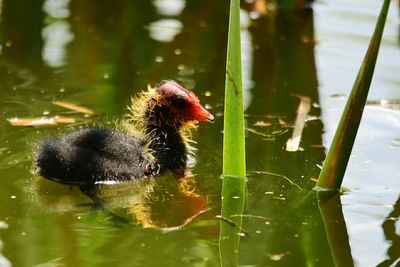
[
  {"x": 74, "y": 107},
  {"x": 293, "y": 144},
  {"x": 278, "y": 175},
  {"x": 270, "y": 136},
  {"x": 385, "y": 103},
  {"x": 40, "y": 121}
]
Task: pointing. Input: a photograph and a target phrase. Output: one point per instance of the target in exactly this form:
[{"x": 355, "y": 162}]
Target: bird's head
[{"x": 183, "y": 102}]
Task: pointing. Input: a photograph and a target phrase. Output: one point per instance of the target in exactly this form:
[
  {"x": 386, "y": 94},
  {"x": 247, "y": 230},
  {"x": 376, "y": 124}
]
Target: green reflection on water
[{"x": 110, "y": 58}]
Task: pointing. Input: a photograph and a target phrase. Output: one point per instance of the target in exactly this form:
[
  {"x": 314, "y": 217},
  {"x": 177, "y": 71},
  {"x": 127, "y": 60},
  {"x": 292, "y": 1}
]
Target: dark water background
[{"x": 99, "y": 54}]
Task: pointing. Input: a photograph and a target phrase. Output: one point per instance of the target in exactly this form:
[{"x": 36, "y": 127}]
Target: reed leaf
[
  {"x": 234, "y": 161},
  {"x": 334, "y": 168}
]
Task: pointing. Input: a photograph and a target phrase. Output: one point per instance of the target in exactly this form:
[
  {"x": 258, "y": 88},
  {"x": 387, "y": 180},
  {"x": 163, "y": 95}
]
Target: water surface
[{"x": 98, "y": 55}]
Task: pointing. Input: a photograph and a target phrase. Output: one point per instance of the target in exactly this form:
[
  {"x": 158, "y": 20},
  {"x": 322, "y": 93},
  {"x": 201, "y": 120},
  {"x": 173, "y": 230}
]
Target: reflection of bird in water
[
  {"x": 154, "y": 139},
  {"x": 151, "y": 203}
]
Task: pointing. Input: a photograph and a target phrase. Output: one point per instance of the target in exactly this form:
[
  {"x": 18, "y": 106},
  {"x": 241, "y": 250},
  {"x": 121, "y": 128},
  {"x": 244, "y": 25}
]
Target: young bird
[{"x": 153, "y": 139}]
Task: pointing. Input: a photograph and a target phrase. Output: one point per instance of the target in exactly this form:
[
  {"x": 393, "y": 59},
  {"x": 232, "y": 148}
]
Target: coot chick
[{"x": 152, "y": 139}]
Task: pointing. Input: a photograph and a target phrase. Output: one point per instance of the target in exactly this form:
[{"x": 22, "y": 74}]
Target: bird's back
[{"x": 93, "y": 155}]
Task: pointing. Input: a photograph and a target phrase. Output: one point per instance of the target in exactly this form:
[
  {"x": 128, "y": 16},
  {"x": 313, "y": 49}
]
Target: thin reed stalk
[{"x": 334, "y": 168}]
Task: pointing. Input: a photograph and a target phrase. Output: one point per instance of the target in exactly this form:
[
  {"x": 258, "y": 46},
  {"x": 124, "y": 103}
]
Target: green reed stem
[
  {"x": 234, "y": 161},
  {"x": 334, "y": 168}
]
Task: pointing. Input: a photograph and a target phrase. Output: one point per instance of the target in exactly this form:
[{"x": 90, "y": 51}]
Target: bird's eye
[{"x": 179, "y": 103}]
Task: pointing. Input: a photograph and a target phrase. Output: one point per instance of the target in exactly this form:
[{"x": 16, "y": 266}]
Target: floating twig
[
  {"x": 40, "y": 121},
  {"x": 74, "y": 107},
  {"x": 293, "y": 144},
  {"x": 278, "y": 175}
]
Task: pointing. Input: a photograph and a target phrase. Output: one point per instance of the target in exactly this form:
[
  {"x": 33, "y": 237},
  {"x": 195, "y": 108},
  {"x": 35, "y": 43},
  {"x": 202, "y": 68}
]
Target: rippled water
[{"x": 99, "y": 54}]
